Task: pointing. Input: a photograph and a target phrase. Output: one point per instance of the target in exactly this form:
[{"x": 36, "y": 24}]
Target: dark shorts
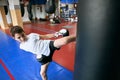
[{"x": 45, "y": 59}]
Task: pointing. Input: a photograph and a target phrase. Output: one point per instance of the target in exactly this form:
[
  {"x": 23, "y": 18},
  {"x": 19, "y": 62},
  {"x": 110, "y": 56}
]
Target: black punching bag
[
  {"x": 50, "y": 6},
  {"x": 22, "y": 9},
  {"x": 98, "y": 40},
  {"x": 6, "y": 10}
]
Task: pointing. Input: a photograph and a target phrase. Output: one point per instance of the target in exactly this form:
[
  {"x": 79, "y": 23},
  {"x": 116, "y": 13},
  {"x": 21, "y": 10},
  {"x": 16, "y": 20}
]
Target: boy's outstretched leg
[{"x": 64, "y": 40}]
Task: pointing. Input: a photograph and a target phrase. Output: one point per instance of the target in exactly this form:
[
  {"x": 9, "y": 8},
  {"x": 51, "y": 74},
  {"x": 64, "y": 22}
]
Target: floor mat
[{"x": 16, "y": 64}]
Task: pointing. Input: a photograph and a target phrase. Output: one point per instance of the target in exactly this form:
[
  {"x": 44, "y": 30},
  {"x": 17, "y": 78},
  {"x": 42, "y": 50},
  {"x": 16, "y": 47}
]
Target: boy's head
[{"x": 18, "y": 33}]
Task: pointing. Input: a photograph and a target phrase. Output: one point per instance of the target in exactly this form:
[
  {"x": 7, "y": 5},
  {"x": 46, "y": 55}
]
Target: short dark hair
[{"x": 16, "y": 29}]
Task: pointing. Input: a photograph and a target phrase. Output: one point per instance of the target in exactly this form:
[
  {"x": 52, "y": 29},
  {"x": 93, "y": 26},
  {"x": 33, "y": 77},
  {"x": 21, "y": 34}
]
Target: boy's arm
[
  {"x": 62, "y": 32},
  {"x": 47, "y": 36}
]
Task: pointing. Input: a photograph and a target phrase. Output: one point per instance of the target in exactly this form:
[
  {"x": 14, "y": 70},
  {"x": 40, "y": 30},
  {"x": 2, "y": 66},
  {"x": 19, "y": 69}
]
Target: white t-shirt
[{"x": 35, "y": 45}]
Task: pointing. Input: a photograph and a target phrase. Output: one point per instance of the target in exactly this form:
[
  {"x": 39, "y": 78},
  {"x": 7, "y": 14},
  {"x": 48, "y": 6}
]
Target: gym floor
[{"x": 64, "y": 57}]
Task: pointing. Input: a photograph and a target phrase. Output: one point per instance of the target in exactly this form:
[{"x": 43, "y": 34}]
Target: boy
[{"x": 37, "y": 44}]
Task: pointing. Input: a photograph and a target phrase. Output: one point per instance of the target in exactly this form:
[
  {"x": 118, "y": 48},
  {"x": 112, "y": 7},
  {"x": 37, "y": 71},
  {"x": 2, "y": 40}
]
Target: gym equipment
[
  {"x": 68, "y": 1},
  {"x": 29, "y": 9},
  {"x": 6, "y": 9},
  {"x": 50, "y": 6},
  {"x": 39, "y": 2},
  {"x": 22, "y": 9},
  {"x": 6, "y": 6},
  {"x": 98, "y": 40}
]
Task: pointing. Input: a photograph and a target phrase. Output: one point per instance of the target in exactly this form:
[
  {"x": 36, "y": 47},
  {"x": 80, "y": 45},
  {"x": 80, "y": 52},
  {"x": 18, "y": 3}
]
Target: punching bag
[
  {"x": 50, "y": 6},
  {"x": 29, "y": 9},
  {"x": 98, "y": 40},
  {"x": 6, "y": 9},
  {"x": 22, "y": 9}
]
